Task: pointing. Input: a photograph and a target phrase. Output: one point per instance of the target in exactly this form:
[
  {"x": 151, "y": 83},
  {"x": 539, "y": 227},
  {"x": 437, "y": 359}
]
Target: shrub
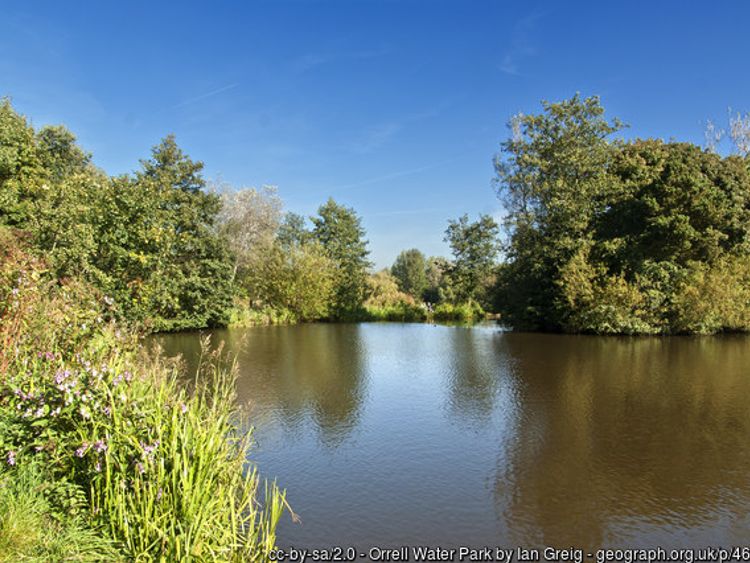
[{"x": 467, "y": 312}]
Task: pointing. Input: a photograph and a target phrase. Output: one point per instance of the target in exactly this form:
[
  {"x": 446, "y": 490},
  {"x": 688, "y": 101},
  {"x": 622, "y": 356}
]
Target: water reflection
[
  {"x": 474, "y": 377},
  {"x": 290, "y": 374},
  {"x": 627, "y": 441},
  {"x": 388, "y": 434}
]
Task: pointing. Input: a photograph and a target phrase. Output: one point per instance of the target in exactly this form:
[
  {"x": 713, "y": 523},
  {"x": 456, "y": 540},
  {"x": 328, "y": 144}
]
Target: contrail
[
  {"x": 206, "y": 95},
  {"x": 398, "y": 174}
]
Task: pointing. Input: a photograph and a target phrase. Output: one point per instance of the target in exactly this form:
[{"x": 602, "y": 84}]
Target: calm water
[{"x": 393, "y": 434}]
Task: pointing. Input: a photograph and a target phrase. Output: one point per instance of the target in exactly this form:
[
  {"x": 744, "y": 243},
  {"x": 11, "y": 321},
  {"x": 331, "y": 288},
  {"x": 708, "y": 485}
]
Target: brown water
[{"x": 408, "y": 434}]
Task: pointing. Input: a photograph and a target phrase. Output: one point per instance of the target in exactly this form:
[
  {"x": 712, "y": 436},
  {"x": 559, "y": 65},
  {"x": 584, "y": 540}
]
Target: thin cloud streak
[
  {"x": 394, "y": 175},
  {"x": 206, "y": 95},
  {"x": 521, "y": 44},
  {"x": 310, "y": 61}
]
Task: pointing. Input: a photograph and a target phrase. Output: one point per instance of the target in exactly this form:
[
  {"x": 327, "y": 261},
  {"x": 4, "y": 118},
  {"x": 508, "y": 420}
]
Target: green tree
[
  {"x": 474, "y": 247},
  {"x": 299, "y": 279},
  {"x": 60, "y": 154},
  {"x": 339, "y": 230},
  {"x": 189, "y": 279},
  {"x": 293, "y": 230},
  {"x": 436, "y": 275},
  {"x": 410, "y": 270},
  {"x": 22, "y": 175},
  {"x": 553, "y": 181}
]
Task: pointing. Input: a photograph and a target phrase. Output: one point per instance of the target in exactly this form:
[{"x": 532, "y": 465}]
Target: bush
[
  {"x": 399, "y": 312},
  {"x": 467, "y": 312}
]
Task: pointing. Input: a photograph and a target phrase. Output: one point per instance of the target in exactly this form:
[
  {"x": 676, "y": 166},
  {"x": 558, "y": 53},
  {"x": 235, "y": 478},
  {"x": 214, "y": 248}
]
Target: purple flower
[
  {"x": 61, "y": 376},
  {"x": 140, "y": 468},
  {"x": 107, "y": 411},
  {"x": 11, "y": 457},
  {"x": 100, "y": 446},
  {"x": 183, "y": 408},
  {"x": 148, "y": 450},
  {"x": 80, "y": 452},
  {"x": 98, "y": 467},
  {"x": 128, "y": 376},
  {"x": 158, "y": 495}
]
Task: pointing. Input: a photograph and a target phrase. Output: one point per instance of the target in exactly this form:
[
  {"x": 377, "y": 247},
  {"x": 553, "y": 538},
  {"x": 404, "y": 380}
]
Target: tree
[
  {"x": 22, "y": 174},
  {"x": 552, "y": 177},
  {"x": 293, "y": 230},
  {"x": 299, "y": 279},
  {"x": 384, "y": 291},
  {"x": 248, "y": 221},
  {"x": 59, "y": 153},
  {"x": 410, "y": 270},
  {"x": 188, "y": 282},
  {"x": 339, "y": 230},
  {"x": 436, "y": 275},
  {"x": 474, "y": 247}
]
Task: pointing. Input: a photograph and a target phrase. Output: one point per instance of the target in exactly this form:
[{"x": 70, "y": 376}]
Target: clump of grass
[
  {"x": 243, "y": 315},
  {"x": 32, "y": 530}
]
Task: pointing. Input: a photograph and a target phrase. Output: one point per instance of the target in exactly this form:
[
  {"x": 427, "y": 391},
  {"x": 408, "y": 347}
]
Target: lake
[{"x": 415, "y": 434}]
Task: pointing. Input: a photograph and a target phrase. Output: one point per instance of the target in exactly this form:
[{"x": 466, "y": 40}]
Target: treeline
[
  {"x": 171, "y": 252},
  {"x": 419, "y": 288},
  {"x": 601, "y": 235}
]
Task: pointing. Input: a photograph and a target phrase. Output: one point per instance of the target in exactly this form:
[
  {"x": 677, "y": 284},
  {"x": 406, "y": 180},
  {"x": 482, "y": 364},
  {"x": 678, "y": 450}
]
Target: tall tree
[
  {"x": 340, "y": 231},
  {"x": 474, "y": 247},
  {"x": 553, "y": 181},
  {"x": 189, "y": 279},
  {"x": 410, "y": 270},
  {"x": 248, "y": 221}
]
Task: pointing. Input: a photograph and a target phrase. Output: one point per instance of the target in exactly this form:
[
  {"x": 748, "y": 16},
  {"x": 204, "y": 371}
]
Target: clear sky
[{"x": 392, "y": 107}]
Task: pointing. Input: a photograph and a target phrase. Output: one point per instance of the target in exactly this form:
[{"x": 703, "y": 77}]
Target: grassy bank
[{"x": 105, "y": 454}]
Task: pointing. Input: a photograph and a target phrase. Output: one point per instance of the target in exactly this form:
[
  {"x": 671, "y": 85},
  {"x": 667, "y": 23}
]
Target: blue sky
[{"x": 393, "y": 107}]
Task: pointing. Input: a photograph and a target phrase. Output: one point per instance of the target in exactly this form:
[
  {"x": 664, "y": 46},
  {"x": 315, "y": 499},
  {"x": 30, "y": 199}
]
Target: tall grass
[{"x": 134, "y": 466}]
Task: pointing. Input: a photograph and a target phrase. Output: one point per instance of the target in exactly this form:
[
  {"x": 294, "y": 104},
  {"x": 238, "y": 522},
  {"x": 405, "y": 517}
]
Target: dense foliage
[
  {"x": 474, "y": 246},
  {"x": 410, "y": 271},
  {"x": 612, "y": 237},
  {"x": 105, "y": 456},
  {"x": 147, "y": 240}
]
